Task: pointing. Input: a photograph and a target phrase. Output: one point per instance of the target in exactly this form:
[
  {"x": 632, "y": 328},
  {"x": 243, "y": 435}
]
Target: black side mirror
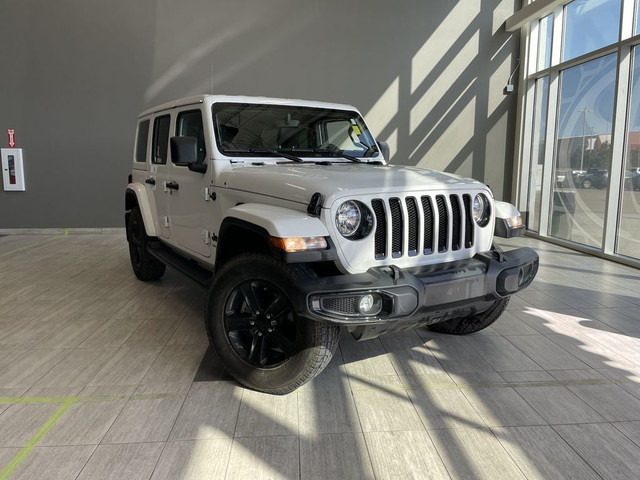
[
  {"x": 184, "y": 150},
  {"x": 384, "y": 149}
]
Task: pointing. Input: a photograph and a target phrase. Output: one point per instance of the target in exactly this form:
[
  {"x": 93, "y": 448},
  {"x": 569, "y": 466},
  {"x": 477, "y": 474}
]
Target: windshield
[{"x": 258, "y": 130}]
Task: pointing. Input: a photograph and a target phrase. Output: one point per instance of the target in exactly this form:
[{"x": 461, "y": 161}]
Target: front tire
[
  {"x": 254, "y": 330},
  {"x": 144, "y": 265}
]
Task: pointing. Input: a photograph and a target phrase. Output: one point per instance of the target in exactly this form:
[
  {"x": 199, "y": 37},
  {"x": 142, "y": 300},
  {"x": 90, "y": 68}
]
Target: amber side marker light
[{"x": 299, "y": 244}]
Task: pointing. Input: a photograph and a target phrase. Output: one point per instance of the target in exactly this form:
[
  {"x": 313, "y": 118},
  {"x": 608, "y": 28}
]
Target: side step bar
[{"x": 190, "y": 268}]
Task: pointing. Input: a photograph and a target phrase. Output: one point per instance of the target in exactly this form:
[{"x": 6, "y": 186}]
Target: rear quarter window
[{"x": 141, "y": 141}]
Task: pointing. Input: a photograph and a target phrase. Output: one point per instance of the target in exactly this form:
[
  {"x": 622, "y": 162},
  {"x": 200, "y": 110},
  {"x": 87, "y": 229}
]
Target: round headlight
[
  {"x": 354, "y": 220},
  {"x": 481, "y": 210},
  {"x": 348, "y": 218}
]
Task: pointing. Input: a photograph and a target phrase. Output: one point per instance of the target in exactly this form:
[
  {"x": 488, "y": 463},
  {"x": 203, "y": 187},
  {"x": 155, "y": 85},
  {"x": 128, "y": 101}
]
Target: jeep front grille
[{"x": 419, "y": 225}]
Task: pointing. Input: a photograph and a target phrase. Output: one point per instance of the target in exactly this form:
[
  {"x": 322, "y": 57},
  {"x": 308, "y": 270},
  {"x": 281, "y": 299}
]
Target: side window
[
  {"x": 189, "y": 124},
  {"x": 141, "y": 141},
  {"x": 161, "y": 139}
]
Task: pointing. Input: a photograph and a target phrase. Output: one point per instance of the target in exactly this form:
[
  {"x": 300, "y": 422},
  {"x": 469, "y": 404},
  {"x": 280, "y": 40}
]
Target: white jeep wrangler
[{"x": 289, "y": 213}]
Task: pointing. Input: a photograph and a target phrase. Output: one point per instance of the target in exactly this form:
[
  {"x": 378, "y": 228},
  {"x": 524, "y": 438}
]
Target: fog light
[
  {"x": 370, "y": 304},
  {"x": 366, "y": 303}
]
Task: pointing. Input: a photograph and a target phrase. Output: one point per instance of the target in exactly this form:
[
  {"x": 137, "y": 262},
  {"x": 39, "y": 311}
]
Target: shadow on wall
[{"x": 428, "y": 76}]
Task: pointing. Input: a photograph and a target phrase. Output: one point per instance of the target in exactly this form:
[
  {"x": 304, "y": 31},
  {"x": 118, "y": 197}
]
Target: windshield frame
[{"x": 317, "y": 118}]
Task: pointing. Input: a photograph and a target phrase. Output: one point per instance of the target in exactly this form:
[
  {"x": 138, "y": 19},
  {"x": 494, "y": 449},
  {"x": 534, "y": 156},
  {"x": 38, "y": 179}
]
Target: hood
[{"x": 298, "y": 182}]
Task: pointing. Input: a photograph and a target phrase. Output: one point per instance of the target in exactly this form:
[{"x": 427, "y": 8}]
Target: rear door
[
  {"x": 190, "y": 206},
  {"x": 158, "y": 173}
]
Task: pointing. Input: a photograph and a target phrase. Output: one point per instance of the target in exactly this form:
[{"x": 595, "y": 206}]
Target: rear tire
[
  {"x": 145, "y": 266},
  {"x": 254, "y": 330},
  {"x": 586, "y": 183}
]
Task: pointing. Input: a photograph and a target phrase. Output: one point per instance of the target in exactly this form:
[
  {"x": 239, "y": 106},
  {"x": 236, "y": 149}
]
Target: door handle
[
  {"x": 150, "y": 181},
  {"x": 173, "y": 186}
]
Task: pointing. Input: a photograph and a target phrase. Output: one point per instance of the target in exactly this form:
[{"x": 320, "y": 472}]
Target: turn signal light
[{"x": 299, "y": 244}]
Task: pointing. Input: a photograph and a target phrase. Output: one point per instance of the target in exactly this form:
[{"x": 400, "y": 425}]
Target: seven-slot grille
[{"x": 422, "y": 225}]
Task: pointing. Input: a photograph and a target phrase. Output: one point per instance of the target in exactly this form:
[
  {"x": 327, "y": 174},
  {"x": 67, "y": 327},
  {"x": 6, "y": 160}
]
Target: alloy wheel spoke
[
  {"x": 250, "y": 297},
  {"x": 256, "y": 346},
  {"x": 288, "y": 347},
  {"x": 278, "y": 307},
  {"x": 238, "y": 321}
]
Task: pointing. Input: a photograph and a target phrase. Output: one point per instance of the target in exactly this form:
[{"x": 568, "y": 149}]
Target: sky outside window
[{"x": 590, "y": 25}]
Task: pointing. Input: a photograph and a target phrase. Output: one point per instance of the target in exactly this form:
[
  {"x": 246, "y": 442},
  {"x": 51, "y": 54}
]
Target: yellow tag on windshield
[{"x": 356, "y": 129}]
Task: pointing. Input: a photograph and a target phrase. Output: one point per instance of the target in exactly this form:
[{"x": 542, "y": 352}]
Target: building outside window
[{"x": 579, "y": 142}]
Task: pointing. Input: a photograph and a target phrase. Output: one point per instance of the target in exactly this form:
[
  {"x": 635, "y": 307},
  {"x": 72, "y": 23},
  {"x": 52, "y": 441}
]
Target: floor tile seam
[
  {"x": 142, "y": 375},
  {"x": 448, "y": 415},
  {"x": 588, "y": 465},
  {"x": 26, "y": 449},
  {"x": 482, "y": 416},
  {"x": 490, "y": 363},
  {"x": 508, "y": 337},
  {"x": 595, "y": 406},
  {"x": 508, "y": 453},
  {"x": 36, "y": 244},
  {"x": 577, "y": 397},
  {"x": 145, "y": 397},
  {"x": 615, "y": 424},
  {"x": 589, "y": 337},
  {"x": 52, "y": 365},
  {"x": 585, "y": 311},
  {"x": 585, "y": 459}
]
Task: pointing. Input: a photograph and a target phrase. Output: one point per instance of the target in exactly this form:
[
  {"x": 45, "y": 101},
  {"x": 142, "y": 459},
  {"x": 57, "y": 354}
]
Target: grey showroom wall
[{"x": 428, "y": 75}]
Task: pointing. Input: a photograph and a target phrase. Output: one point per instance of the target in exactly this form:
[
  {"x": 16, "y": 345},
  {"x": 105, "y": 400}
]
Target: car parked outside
[{"x": 595, "y": 178}]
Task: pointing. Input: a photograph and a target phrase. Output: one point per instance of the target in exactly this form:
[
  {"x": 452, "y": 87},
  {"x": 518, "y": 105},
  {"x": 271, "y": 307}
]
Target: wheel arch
[
  {"x": 136, "y": 196},
  {"x": 249, "y": 228}
]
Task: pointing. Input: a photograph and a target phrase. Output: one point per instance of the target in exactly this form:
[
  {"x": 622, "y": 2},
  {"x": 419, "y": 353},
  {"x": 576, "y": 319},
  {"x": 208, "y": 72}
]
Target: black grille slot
[
  {"x": 428, "y": 225},
  {"x": 397, "y": 226},
  {"x": 468, "y": 221},
  {"x": 381, "y": 229},
  {"x": 443, "y": 223},
  {"x": 412, "y": 214},
  {"x": 345, "y": 305},
  {"x": 456, "y": 223}
]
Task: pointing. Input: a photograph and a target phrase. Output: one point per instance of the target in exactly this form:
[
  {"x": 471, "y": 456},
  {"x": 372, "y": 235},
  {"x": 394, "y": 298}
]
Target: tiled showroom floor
[{"x": 102, "y": 376}]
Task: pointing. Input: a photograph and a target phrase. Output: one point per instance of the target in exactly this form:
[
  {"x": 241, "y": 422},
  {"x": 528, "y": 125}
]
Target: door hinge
[
  {"x": 209, "y": 195},
  {"x": 166, "y": 221},
  {"x": 206, "y": 237}
]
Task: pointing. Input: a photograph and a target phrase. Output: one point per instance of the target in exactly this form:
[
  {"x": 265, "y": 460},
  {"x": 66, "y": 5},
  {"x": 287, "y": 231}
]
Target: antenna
[{"x": 212, "y": 79}]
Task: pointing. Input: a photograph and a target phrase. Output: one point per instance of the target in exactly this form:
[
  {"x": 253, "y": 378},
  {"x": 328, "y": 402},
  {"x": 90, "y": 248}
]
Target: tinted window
[
  {"x": 161, "y": 139},
  {"x": 141, "y": 141},
  {"x": 189, "y": 124}
]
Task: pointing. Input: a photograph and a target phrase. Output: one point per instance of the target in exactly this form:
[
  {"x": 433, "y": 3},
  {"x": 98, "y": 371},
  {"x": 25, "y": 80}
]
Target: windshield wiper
[
  {"x": 339, "y": 153},
  {"x": 273, "y": 153}
]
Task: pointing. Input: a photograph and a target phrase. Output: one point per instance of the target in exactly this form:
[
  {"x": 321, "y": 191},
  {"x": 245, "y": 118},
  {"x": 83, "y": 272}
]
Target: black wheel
[
  {"x": 144, "y": 265},
  {"x": 586, "y": 183},
  {"x": 475, "y": 323},
  {"x": 255, "y": 331}
]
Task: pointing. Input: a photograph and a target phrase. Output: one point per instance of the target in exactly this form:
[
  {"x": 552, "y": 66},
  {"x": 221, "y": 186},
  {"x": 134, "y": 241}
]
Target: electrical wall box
[{"x": 12, "y": 169}]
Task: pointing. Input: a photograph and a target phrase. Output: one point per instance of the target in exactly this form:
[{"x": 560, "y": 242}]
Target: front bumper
[{"x": 424, "y": 295}]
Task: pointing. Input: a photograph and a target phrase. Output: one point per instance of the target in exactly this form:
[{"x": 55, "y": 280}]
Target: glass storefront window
[
  {"x": 545, "y": 33},
  {"x": 590, "y": 25},
  {"x": 629, "y": 224},
  {"x": 537, "y": 153},
  {"x": 583, "y": 151}
]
